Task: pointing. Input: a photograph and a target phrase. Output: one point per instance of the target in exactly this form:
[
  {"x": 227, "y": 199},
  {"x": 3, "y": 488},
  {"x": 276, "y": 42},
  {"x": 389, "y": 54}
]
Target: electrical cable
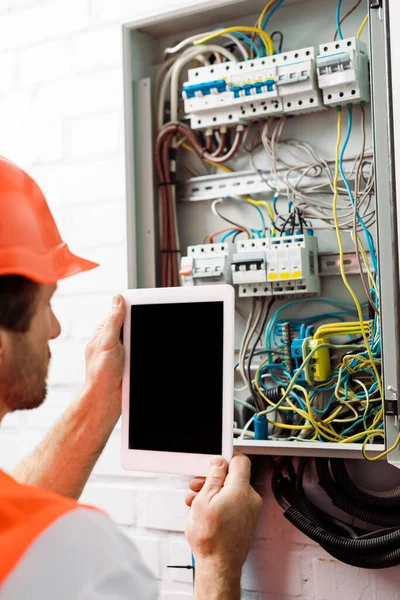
[
  {"x": 363, "y": 24},
  {"x": 274, "y": 34},
  {"x": 356, "y": 5},
  {"x": 275, "y": 8},
  {"x": 338, "y": 22},
  {"x": 262, "y": 327},
  {"x": 269, "y": 47},
  {"x": 337, "y": 228}
]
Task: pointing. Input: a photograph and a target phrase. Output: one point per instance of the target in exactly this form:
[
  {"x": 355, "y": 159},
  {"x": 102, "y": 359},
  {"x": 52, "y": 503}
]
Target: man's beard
[{"x": 24, "y": 385}]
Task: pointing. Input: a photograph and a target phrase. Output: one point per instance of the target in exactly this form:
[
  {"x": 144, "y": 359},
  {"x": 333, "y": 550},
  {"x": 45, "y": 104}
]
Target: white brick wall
[{"x": 61, "y": 118}]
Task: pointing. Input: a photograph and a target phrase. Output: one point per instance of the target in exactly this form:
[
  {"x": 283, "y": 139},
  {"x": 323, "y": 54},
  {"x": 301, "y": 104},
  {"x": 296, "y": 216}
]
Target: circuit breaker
[
  {"x": 286, "y": 266},
  {"x": 238, "y": 92},
  {"x": 206, "y": 264},
  {"x": 343, "y": 73}
]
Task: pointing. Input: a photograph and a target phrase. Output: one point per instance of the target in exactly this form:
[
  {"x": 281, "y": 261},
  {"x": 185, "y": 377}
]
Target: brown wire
[
  {"x": 357, "y": 4},
  {"x": 168, "y": 239},
  {"x": 209, "y": 142},
  {"x": 221, "y": 146},
  {"x": 168, "y": 242}
]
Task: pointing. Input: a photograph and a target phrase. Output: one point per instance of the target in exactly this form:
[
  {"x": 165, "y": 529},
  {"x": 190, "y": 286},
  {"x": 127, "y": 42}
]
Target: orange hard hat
[{"x": 30, "y": 243}]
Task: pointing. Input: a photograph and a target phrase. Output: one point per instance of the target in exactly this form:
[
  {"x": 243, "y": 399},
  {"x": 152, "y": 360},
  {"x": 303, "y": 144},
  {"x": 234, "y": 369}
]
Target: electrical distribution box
[{"x": 294, "y": 138}]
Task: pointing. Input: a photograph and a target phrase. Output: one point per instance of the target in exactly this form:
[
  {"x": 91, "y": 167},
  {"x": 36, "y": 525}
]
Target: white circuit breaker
[
  {"x": 343, "y": 71},
  {"x": 280, "y": 266},
  {"x": 206, "y": 264},
  {"x": 231, "y": 93},
  {"x": 297, "y": 81}
]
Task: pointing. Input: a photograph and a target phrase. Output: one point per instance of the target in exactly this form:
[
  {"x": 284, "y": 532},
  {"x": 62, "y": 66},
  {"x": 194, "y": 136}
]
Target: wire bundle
[{"x": 373, "y": 544}]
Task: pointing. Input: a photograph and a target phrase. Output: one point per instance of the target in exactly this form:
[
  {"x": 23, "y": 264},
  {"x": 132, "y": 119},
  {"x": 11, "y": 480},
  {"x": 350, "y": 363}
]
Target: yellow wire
[
  {"x": 269, "y": 46},
  {"x": 349, "y": 328},
  {"x": 269, "y": 208},
  {"x": 382, "y": 454},
  {"x": 341, "y": 254},
  {"x": 357, "y": 436},
  {"x": 295, "y": 376},
  {"x": 363, "y": 24},
  {"x": 319, "y": 428},
  {"x": 264, "y": 12}
]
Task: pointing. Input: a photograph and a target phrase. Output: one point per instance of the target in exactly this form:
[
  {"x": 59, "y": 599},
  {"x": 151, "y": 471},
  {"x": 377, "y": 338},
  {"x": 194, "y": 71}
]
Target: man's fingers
[
  {"x": 215, "y": 478},
  {"x": 197, "y": 483},
  {"x": 189, "y": 498},
  {"x": 111, "y": 333}
]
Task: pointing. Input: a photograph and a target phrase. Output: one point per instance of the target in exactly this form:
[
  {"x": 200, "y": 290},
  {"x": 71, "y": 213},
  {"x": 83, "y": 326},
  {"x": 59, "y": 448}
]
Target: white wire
[
  {"x": 199, "y": 36},
  {"x": 246, "y": 404},
  {"x": 250, "y": 434},
  {"x": 186, "y": 42},
  {"x": 313, "y": 207},
  {"x": 164, "y": 87},
  {"x": 245, "y": 428}
]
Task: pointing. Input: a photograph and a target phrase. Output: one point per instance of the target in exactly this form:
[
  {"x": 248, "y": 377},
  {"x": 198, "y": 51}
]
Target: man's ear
[{"x": 4, "y": 344}]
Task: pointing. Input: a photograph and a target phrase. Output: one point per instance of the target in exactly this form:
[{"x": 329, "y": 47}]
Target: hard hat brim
[{"x": 46, "y": 268}]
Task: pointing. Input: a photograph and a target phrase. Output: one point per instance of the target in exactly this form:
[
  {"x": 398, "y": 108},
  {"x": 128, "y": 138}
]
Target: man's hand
[
  {"x": 105, "y": 359},
  {"x": 221, "y": 523}
]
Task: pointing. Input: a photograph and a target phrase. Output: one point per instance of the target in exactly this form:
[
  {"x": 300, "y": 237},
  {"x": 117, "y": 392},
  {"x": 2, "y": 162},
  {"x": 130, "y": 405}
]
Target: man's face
[{"x": 25, "y": 357}]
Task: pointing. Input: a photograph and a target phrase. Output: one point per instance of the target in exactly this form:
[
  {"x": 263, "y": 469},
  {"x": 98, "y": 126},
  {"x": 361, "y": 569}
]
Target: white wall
[{"x": 61, "y": 117}]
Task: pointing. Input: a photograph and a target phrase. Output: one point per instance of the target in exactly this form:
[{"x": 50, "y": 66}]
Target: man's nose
[{"x": 55, "y": 328}]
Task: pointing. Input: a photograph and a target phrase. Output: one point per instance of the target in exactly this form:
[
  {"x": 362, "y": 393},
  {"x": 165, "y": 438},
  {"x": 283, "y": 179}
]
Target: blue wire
[
  {"x": 272, "y": 321},
  {"x": 266, "y": 21},
  {"x": 263, "y": 225},
  {"x": 338, "y": 26},
  {"x": 275, "y": 200},
  {"x": 241, "y": 35},
  {"x": 233, "y": 231},
  {"x": 227, "y": 234},
  {"x": 350, "y": 193},
  {"x": 299, "y": 400}
]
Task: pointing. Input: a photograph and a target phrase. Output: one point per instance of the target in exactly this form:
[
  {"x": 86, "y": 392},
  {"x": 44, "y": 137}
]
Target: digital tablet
[{"x": 177, "y": 389}]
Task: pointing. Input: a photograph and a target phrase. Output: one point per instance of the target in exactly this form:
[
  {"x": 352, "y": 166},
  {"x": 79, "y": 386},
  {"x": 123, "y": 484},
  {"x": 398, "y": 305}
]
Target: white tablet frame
[{"x": 179, "y": 462}]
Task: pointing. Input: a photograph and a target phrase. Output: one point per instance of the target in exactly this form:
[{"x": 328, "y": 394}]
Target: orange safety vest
[{"x": 25, "y": 512}]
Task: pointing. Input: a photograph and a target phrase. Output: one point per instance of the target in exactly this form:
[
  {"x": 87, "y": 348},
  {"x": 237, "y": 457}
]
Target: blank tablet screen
[{"x": 176, "y": 377}]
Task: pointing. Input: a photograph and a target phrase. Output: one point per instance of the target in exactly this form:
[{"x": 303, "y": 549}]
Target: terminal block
[
  {"x": 291, "y": 265},
  {"x": 297, "y": 82},
  {"x": 318, "y": 367},
  {"x": 205, "y": 264},
  {"x": 343, "y": 73}
]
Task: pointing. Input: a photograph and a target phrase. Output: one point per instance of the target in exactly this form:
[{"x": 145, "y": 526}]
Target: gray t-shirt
[{"x": 81, "y": 556}]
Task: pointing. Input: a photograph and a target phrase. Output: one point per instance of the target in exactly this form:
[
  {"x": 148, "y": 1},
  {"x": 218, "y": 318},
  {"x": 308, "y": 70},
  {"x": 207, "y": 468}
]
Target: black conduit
[{"x": 353, "y": 546}]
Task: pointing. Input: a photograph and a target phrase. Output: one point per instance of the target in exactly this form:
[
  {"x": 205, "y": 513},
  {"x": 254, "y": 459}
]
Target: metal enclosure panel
[
  {"x": 138, "y": 56},
  {"x": 386, "y": 86},
  {"x": 140, "y": 186}
]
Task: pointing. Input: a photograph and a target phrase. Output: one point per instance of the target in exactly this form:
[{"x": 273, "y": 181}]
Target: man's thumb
[
  {"x": 111, "y": 333},
  {"x": 216, "y": 477}
]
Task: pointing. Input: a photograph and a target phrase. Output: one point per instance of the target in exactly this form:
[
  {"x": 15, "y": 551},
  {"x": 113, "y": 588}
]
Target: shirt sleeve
[{"x": 82, "y": 556}]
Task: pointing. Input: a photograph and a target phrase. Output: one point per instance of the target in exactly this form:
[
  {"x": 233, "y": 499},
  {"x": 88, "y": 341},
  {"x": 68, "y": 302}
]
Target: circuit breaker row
[
  {"x": 281, "y": 266},
  {"x": 286, "y": 83}
]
